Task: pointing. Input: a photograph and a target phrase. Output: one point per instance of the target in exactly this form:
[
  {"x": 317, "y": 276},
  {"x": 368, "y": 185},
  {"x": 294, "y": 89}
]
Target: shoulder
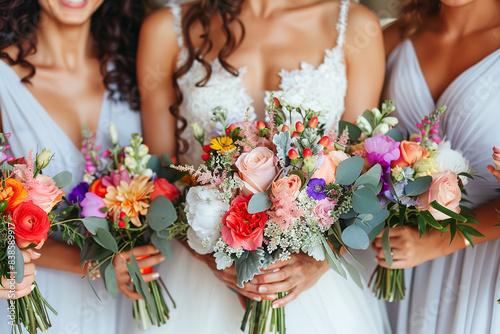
[
  {"x": 362, "y": 25},
  {"x": 360, "y": 14},
  {"x": 160, "y": 23},
  {"x": 392, "y": 36}
]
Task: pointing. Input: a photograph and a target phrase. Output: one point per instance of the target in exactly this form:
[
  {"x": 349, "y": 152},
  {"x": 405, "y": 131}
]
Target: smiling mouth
[{"x": 74, "y": 3}]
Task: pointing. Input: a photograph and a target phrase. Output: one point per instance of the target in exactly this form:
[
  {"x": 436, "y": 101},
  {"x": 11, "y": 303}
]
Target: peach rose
[
  {"x": 13, "y": 193},
  {"x": 257, "y": 169},
  {"x": 43, "y": 192},
  {"x": 288, "y": 186},
  {"x": 410, "y": 153},
  {"x": 328, "y": 168},
  {"x": 445, "y": 190}
]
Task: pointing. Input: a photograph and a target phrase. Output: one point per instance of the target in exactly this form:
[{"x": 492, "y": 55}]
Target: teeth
[{"x": 75, "y": 1}]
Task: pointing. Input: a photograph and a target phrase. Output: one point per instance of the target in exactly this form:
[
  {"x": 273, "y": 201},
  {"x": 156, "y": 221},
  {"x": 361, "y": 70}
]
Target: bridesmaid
[
  {"x": 63, "y": 64},
  {"x": 448, "y": 53}
]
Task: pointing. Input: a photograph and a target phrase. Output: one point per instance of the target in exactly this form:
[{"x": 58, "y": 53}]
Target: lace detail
[
  {"x": 326, "y": 83},
  {"x": 177, "y": 14}
]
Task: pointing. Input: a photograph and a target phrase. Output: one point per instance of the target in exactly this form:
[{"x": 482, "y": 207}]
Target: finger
[
  {"x": 292, "y": 295},
  {"x": 34, "y": 254},
  {"x": 243, "y": 301},
  {"x": 279, "y": 264},
  {"x": 277, "y": 287},
  {"x": 398, "y": 264},
  {"x": 151, "y": 261},
  {"x": 150, "y": 277},
  {"x": 26, "y": 256},
  {"x": 145, "y": 250},
  {"x": 254, "y": 296},
  {"x": 11, "y": 284},
  {"x": 496, "y": 149},
  {"x": 276, "y": 275},
  {"x": 29, "y": 269},
  {"x": 129, "y": 292}
]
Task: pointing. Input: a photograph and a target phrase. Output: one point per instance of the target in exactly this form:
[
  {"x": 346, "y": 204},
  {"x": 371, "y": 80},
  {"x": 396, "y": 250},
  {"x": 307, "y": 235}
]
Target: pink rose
[
  {"x": 242, "y": 229},
  {"x": 322, "y": 211},
  {"x": 92, "y": 205},
  {"x": 257, "y": 169},
  {"x": 288, "y": 187},
  {"x": 445, "y": 190},
  {"x": 328, "y": 168},
  {"x": 43, "y": 192}
]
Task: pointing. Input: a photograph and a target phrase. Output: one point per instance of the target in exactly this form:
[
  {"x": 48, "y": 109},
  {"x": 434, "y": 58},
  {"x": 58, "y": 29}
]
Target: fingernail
[
  {"x": 37, "y": 254},
  {"x": 254, "y": 281},
  {"x": 262, "y": 289},
  {"x": 32, "y": 287},
  {"x": 155, "y": 275},
  {"x": 275, "y": 305},
  {"x": 257, "y": 299},
  {"x": 275, "y": 270},
  {"x": 272, "y": 297},
  {"x": 162, "y": 258}
]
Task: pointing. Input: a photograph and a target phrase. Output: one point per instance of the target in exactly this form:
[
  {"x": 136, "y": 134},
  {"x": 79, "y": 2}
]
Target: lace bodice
[{"x": 326, "y": 83}]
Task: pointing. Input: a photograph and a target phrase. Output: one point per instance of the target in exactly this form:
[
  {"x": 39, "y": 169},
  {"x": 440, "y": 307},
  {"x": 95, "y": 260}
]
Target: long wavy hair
[
  {"x": 203, "y": 12},
  {"x": 114, "y": 27},
  {"x": 414, "y": 13}
]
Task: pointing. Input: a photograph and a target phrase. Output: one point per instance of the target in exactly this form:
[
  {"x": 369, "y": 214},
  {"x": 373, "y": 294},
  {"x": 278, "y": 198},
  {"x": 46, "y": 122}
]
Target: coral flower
[
  {"x": 131, "y": 198},
  {"x": 222, "y": 144},
  {"x": 13, "y": 192}
]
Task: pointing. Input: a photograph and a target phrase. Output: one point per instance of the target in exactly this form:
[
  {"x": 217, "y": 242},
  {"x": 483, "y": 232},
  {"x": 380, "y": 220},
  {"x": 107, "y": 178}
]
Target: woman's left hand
[{"x": 294, "y": 276}]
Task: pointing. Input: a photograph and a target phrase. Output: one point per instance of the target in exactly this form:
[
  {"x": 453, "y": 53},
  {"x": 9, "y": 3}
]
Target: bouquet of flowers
[
  {"x": 423, "y": 181},
  {"x": 27, "y": 198},
  {"x": 266, "y": 191},
  {"x": 124, "y": 202}
]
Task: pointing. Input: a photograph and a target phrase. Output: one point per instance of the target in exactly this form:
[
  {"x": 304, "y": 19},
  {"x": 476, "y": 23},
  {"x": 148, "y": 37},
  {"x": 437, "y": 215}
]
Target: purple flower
[
  {"x": 78, "y": 193},
  {"x": 92, "y": 205},
  {"x": 316, "y": 189},
  {"x": 382, "y": 149}
]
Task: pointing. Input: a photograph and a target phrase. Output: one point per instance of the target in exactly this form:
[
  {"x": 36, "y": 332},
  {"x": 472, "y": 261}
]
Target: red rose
[
  {"x": 164, "y": 188},
  {"x": 31, "y": 224},
  {"x": 242, "y": 229}
]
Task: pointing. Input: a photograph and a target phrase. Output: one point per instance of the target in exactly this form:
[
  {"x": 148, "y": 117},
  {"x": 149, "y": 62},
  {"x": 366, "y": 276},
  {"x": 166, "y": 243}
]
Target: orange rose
[
  {"x": 288, "y": 186},
  {"x": 97, "y": 188},
  {"x": 328, "y": 168},
  {"x": 445, "y": 190},
  {"x": 410, "y": 153},
  {"x": 13, "y": 193},
  {"x": 164, "y": 188},
  {"x": 31, "y": 224}
]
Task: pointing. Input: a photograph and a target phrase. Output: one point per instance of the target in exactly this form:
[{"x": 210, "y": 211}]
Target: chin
[{"x": 70, "y": 12}]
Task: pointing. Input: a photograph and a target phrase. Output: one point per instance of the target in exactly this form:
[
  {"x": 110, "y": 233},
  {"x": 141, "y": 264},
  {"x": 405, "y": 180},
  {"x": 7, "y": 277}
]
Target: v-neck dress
[
  {"x": 33, "y": 128},
  {"x": 455, "y": 293}
]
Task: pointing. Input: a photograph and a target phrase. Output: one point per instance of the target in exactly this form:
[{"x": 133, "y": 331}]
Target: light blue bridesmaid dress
[
  {"x": 455, "y": 293},
  {"x": 80, "y": 312}
]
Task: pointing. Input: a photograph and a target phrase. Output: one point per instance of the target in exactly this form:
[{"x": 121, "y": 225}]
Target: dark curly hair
[
  {"x": 114, "y": 26},
  {"x": 414, "y": 13},
  {"x": 203, "y": 12}
]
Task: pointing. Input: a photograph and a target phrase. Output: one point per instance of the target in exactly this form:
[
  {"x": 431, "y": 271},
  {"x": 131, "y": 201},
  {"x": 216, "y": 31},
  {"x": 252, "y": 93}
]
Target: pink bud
[
  {"x": 433, "y": 131},
  {"x": 7, "y": 147},
  {"x": 7, "y": 135},
  {"x": 418, "y": 139},
  {"x": 98, "y": 147},
  {"x": 11, "y": 159},
  {"x": 429, "y": 121},
  {"x": 88, "y": 157},
  {"x": 422, "y": 132},
  {"x": 435, "y": 125},
  {"x": 437, "y": 140},
  {"x": 84, "y": 150},
  {"x": 419, "y": 126}
]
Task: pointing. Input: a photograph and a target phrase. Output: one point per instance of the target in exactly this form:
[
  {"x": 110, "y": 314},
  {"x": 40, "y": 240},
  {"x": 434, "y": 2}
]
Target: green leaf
[
  {"x": 419, "y": 186},
  {"x": 6, "y": 167},
  {"x": 106, "y": 240},
  {"x": 166, "y": 159},
  {"x": 93, "y": 223},
  {"x": 395, "y": 134},
  {"x": 386, "y": 247},
  {"x": 259, "y": 202},
  {"x": 18, "y": 264},
  {"x": 371, "y": 177},
  {"x": 249, "y": 265},
  {"x": 349, "y": 170},
  {"x": 163, "y": 245},
  {"x": 63, "y": 179},
  {"x": 154, "y": 164},
  {"x": 353, "y": 130},
  {"x": 283, "y": 143},
  {"x": 402, "y": 212},
  {"x": 355, "y": 237},
  {"x": 470, "y": 230},
  {"x": 140, "y": 285},
  {"x": 365, "y": 200},
  {"x": 348, "y": 215},
  {"x": 353, "y": 272},
  {"x": 448, "y": 212},
  {"x": 332, "y": 259},
  {"x": 422, "y": 226},
  {"x": 161, "y": 213},
  {"x": 431, "y": 220},
  {"x": 453, "y": 230},
  {"x": 109, "y": 277},
  {"x": 370, "y": 117}
]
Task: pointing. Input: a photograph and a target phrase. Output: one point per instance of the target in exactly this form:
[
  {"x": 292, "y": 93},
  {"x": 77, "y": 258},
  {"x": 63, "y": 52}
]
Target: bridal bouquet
[
  {"x": 123, "y": 203},
  {"x": 266, "y": 191},
  {"x": 423, "y": 181},
  {"x": 27, "y": 198}
]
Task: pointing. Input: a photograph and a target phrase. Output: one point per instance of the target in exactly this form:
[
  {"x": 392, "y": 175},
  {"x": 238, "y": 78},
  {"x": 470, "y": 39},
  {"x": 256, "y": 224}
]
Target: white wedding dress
[
  {"x": 80, "y": 312},
  {"x": 205, "y": 304}
]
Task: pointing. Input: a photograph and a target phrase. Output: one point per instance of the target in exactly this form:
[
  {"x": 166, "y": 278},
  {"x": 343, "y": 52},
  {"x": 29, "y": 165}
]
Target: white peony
[
  {"x": 223, "y": 260},
  {"x": 196, "y": 241},
  {"x": 291, "y": 99},
  {"x": 204, "y": 211},
  {"x": 450, "y": 159},
  {"x": 311, "y": 104}
]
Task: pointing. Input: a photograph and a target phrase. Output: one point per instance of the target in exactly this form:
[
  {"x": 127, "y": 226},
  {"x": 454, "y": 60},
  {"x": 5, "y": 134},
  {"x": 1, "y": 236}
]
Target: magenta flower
[
  {"x": 92, "y": 205},
  {"x": 382, "y": 149}
]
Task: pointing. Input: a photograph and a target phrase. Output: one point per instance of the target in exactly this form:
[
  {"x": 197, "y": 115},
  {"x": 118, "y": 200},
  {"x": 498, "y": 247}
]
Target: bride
[{"x": 230, "y": 53}]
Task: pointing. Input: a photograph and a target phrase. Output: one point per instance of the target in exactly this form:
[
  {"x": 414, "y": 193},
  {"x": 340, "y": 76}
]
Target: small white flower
[
  {"x": 291, "y": 99},
  {"x": 142, "y": 150},
  {"x": 113, "y": 133},
  {"x": 129, "y": 150},
  {"x": 311, "y": 104},
  {"x": 43, "y": 159},
  {"x": 364, "y": 125},
  {"x": 450, "y": 159},
  {"x": 377, "y": 114},
  {"x": 391, "y": 121},
  {"x": 223, "y": 261},
  {"x": 130, "y": 163},
  {"x": 146, "y": 172},
  {"x": 381, "y": 128}
]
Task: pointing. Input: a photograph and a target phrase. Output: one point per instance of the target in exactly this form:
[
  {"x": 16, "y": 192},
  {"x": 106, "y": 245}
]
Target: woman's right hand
[
  {"x": 24, "y": 288},
  {"x": 122, "y": 275},
  {"x": 496, "y": 158}
]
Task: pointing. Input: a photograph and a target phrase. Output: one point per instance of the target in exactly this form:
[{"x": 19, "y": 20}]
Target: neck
[
  {"x": 61, "y": 45},
  {"x": 462, "y": 20},
  {"x": 265, "y": 8}
]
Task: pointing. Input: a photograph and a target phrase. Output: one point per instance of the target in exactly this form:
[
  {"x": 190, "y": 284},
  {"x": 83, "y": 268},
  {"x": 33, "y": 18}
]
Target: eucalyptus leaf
[
  {"x": 395, "y": 134},
  {"x": 419, "y": 186},
  {"x": 93, "y": 223},
  {"x": 62, "y": 179},
  {"x": 18, "y": 264},
  {"x": 141, "y": 286},
  {"x": 6, "y": 167},
  {"x": 370, "y": 117},
  {"x": 161, "y": 213},
  {"x": 332, "y": 259},
  {"x": 355, "y": 237},
  {"x": 163, "y": 234},
  {"x": 386, "y": 247},
  {"x": 283, "y": 143},
  {"x": 353, "y": 272},
  {"x": 349, "y": 170},
  {"x": 106, "y": 240},
  {"x": 353, "y": 130},
  {"x": 259, "y": 202},
  {"x": 348, "y": 215},
  {"x": 163, "y": 245},
  {"x": 166, "y": 159},
  {"x": 371, "y": 177},
  {"x": 154, "y": 164},
  {"x": 109, "y": 277},
  {"x": 365, "y": 200},
  {"x": 249, "y": 265}
]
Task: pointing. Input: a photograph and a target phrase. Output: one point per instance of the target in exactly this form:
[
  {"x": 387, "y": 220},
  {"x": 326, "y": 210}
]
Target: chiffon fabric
[
  {"x": 455, "y": 293},
  {"x": 80, "y": 311}
]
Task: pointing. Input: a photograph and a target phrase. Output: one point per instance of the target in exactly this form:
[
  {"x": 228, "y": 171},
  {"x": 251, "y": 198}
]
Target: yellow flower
[
  {"x": 222, "y": 144},
  {"x": 131, "y": 198}
]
